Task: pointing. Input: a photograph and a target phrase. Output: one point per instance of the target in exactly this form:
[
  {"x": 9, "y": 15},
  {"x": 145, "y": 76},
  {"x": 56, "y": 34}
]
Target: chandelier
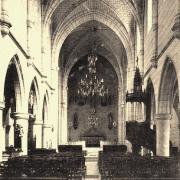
[
  {"x": 138, "y": 95},
  {"x": 91, "y": 85}
]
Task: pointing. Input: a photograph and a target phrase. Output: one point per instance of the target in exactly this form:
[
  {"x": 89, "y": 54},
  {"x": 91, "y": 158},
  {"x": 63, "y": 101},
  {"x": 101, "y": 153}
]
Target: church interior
[{"x": 89, "y": 89}]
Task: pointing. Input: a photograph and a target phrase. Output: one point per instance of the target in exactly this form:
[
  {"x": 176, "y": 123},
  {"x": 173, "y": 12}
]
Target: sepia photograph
[{"x": 89, "y": 89}]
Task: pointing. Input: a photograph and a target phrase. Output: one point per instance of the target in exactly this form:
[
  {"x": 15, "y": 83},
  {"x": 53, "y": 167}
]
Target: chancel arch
[
  {"x": 60, "y": 37},
  {"x": 88, "y": 37}
]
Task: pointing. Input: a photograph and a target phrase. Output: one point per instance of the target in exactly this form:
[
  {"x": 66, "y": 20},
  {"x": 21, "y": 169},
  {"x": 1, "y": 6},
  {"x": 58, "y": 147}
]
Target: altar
[{"x": 92, "y": 137}]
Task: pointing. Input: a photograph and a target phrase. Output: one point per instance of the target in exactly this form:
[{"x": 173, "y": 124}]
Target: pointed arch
[
  {"x": 14, "y": 81},
  {"x": 33, "y": 102},
  {"x": 13, "y": 97},
  {"x": 45, "y": 108},
  {"x": 150, "y": 103},
  {"x": 168, "y": 80}
]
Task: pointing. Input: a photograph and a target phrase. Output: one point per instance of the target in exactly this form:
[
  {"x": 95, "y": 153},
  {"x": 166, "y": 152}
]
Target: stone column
[
  {"x": 63, "y": 124},
  {"x": 43, "y": 59},
  {"x": 1, "y": 128},
  {"x": 38, "y": 133},
  {"x": 155, "y": 34},
  {"x": 47, "y": 136},
  {"x": 141, "y": 53},
  {"x": 21, "y": 119},
  {"x": 176, "y": 26},
  {"x": 130, "y": 106},
  {"x": 162, "y": 134},
  {"x": 63, "y": 118},
  {"x": 121, "y": 123},
  {"x": 4, "y": 21}
]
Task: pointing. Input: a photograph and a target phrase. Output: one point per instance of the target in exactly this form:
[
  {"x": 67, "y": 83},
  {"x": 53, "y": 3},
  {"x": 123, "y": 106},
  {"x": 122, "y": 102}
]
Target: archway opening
[
  {"x": 32, "y": 110},
  {"x": 169, "y": 109},
  {"x": 93, "y": 118},
  {"x": 150, "y": 104},
  {"x": 91, "y": 36},
  {"x": 12, "y": 96}
]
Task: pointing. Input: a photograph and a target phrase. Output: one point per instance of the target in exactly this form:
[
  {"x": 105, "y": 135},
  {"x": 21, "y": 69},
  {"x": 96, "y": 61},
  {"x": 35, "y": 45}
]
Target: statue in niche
[
  {"x": 18, "y": 136},
  {"x": 75, "y": 121},
  {"x": 31, "y": 102},
  {"x": 110, "y": 121}
]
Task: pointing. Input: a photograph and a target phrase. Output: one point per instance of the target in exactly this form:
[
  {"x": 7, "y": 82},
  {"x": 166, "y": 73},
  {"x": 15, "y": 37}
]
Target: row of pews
[
  {"x": 68, "y": 163},
  {"x": 115, "y": 163}
]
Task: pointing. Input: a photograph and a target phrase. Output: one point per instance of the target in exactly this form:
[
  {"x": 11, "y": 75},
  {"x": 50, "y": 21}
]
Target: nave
[{"x": 89, "y": 89}]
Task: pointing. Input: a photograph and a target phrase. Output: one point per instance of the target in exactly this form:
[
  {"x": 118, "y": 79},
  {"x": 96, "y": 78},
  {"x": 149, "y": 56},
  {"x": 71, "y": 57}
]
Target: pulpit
[{"x": 92, "y": 137}]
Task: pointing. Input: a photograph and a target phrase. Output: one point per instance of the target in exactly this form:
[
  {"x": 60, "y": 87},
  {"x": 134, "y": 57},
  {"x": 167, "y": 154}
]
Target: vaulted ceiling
[{"x": 88, "y": 33}]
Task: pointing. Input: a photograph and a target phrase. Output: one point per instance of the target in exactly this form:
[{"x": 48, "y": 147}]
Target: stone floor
[{"x": 92, "y": 170}]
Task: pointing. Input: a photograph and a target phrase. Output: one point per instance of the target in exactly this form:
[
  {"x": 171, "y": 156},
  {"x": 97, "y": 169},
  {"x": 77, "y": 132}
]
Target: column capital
[
  {"x": 38, "y": 123},
  {"x": 30, "y": 23},
  {"x": 5, "y": 27},
  {"x": 2, "y": 105},
  {"x": 17, "y": 115},
  {"x": 163, "y": 116},
  {"x": 30, "y": 61},
  {"x": 32, "y": 117},
  {"x": 154, "y": 61}
]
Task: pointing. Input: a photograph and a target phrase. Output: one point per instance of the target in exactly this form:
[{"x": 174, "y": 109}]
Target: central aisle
[{"x": 92, "y": 169}]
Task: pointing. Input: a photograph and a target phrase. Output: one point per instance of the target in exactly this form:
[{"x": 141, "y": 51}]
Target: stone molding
[
  {"x": 163, "y": 116},
  {"x": 5, "y": 27},
  {"x": 17, "y": 116},
  {"x": 40, "y": 123}
]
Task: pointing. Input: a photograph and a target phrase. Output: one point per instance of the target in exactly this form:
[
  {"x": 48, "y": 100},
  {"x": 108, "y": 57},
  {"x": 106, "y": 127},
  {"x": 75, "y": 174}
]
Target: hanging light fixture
[
  {"x": 137, "y": 95},
  {"x": 91, "y": 85}
]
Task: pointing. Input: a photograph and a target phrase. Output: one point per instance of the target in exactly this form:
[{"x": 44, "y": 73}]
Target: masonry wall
[
  {"x": 166, "y": 15},
  {"x": 168, "y": 48}
]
